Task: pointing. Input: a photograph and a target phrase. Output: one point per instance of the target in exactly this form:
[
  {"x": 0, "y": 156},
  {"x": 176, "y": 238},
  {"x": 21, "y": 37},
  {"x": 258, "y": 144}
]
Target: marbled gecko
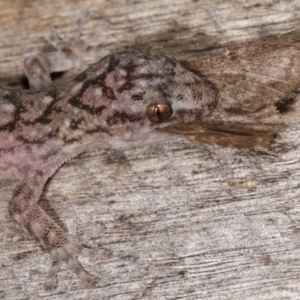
[{"x": 124, "y": 100}]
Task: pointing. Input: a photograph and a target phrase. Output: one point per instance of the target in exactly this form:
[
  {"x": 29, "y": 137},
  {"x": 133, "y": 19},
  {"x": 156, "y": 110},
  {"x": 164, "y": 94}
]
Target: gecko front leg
[
  {"x": 39, "y": 67},
  {"x": 63, "y": 248}
]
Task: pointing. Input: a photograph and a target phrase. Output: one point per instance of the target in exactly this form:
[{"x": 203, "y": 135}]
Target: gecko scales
[
  {"x": 116, "y": 103},
  {"x": 124, "y": 100}
]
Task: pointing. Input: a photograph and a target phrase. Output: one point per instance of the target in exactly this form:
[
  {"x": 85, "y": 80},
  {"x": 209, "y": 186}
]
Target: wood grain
[{"x": 185, "y": 221}]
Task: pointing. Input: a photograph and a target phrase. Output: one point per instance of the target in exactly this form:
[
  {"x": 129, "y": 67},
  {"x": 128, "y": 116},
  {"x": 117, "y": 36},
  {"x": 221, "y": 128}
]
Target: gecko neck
[{"x": 48, "y": 120}]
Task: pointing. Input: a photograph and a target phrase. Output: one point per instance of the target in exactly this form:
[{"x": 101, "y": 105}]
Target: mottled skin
[
  {"x": 130, "y": 99},
  {"x": 105, "y": 106}
]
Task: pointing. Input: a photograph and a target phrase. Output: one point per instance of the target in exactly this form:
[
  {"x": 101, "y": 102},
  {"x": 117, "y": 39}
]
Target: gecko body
[
  {"x": 129, "y": 99},
  {"x": 119, "y": 102}
]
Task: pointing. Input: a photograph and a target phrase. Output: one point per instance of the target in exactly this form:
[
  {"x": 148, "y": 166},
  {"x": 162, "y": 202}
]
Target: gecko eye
[{"x": 159, "y": 112}]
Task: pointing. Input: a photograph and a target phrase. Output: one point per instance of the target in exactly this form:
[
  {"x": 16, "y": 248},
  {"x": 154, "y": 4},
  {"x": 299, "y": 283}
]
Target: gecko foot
[
  {"x": 68, "y": 254},
  {"x": 76, "y": 46}
]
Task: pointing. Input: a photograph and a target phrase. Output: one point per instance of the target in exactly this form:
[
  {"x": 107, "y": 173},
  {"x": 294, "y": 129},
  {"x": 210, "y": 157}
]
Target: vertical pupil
[{"x": 157, "y": 111}]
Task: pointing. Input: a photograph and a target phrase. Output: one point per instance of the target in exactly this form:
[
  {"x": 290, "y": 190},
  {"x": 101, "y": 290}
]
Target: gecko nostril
[{"x": 159, "y": 112}]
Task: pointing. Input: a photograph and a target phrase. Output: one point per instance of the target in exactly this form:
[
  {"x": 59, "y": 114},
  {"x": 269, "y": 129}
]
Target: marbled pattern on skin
[
  {"x": 129, "y": 99},
  {"x": 105, "y": 106}
]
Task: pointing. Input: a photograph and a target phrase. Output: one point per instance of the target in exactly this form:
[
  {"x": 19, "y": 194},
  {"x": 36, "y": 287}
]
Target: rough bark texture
[{"x": 185, "y": 221}]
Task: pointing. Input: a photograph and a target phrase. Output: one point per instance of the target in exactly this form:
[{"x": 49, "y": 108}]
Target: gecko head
[
  {"x": 143, "y": 95},
  {"x": 154, "y": 94}
]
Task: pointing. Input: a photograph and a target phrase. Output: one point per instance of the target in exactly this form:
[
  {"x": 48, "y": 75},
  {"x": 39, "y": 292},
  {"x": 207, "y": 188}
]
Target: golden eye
[{"x": 159, "y": 112}]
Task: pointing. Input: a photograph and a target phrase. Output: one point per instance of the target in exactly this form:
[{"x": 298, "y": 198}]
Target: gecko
[{"x": 126, "y": 99}]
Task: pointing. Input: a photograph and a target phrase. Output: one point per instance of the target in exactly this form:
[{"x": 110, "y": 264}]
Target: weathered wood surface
[{"x": 185, "y": 221}]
